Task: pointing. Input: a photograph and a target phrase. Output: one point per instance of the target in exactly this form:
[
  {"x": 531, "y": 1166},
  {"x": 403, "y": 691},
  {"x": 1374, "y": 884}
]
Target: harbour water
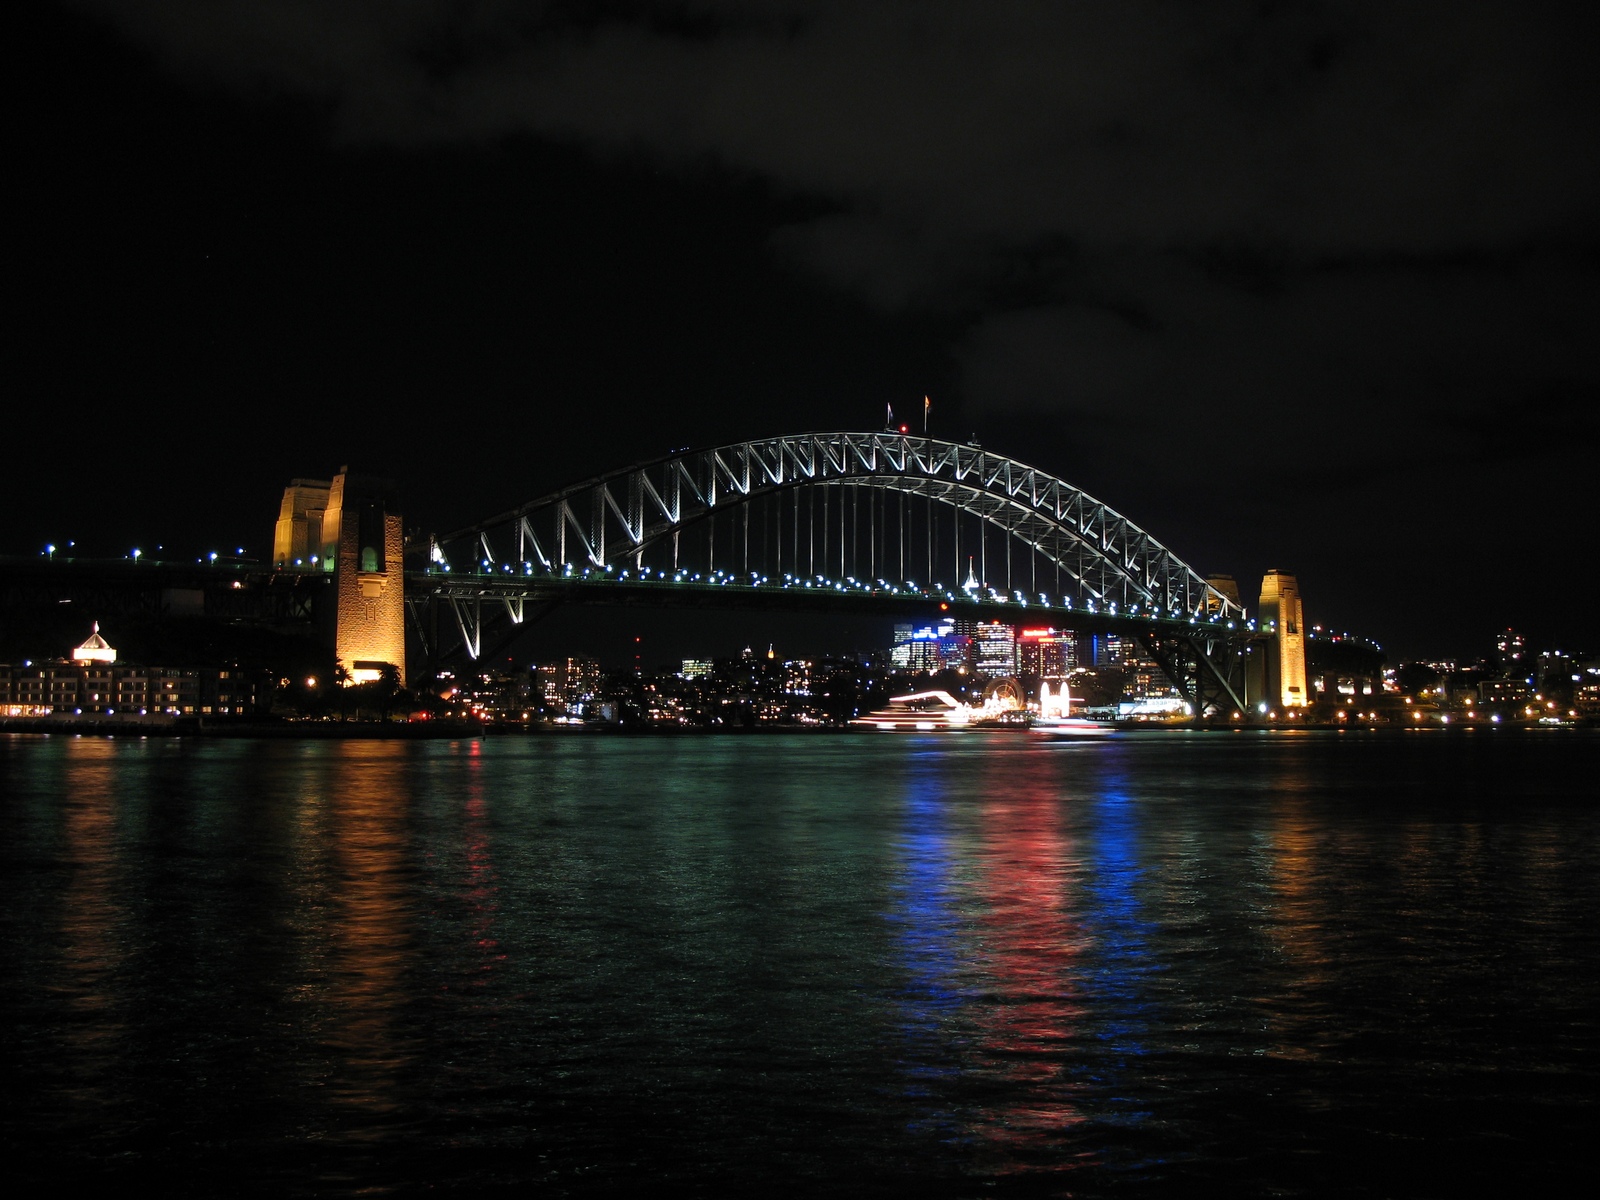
[{"x": 1270, "y": 964}]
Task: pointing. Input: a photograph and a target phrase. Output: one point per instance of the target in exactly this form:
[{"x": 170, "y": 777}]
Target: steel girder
[
  {"x": 614, "y": 519},
  {"x": 443, "y": 619},
  {"x": 1206, "y": 666}
]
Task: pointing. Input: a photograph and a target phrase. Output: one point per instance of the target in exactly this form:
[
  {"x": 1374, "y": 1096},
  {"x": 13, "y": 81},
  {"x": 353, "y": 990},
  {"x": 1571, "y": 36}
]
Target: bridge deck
[{"x": 807, "y": 595}]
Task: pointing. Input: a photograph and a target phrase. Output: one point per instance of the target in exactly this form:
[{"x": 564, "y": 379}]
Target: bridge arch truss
[
  {"x": 881, "y": 507},
  {"x": 860, "y": 519}
]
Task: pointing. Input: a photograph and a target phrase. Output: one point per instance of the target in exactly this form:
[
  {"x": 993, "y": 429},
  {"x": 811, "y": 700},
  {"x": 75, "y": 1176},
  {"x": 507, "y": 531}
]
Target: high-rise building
[
  {"x": 1114, "y": 650},
  {"x": 930, "y": 648},
  {"x": 1511, "y": 653},
  {"x": 1282, "y": 623},
  {"x": 1051, "y": 654},
  {"x": 582, "y": 677},
  {"x": 994, "y": 646}
]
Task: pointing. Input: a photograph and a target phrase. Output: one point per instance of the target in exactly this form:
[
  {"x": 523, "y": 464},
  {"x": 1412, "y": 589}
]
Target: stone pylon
[{"x": 363, "y": 547}]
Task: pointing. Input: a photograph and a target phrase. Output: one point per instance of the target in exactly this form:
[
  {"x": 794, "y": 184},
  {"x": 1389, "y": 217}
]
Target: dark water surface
[{"x": 959, "y": 965}]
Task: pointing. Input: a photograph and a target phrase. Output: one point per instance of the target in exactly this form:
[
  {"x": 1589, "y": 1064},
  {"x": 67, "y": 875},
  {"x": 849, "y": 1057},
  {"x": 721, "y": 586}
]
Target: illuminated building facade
[
  {"x": 1050, "y": 654},
  {"x": 1282, "y": 621},
  {"x": 564, "y": 685},
  {"x": 1112, "y": 650},
  {"x": 93, "y": 683},
  {"x": 930, "y": 648},
  {"x": 1504, "y": 692},
  {"x": 994, "y": 646},
  {"x": 95, "y": 650},
  {"x": 103, "y": 690},
  {"x": 1511, "y": 652}
]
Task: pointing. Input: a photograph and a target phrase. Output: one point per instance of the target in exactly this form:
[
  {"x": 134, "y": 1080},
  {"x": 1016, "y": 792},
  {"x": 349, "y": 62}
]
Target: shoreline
[{"x": 412, "y": 730}]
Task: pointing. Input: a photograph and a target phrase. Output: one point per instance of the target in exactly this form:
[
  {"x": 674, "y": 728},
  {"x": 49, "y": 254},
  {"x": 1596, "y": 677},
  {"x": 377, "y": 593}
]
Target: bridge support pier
[{"x": 1207, "y": 669}]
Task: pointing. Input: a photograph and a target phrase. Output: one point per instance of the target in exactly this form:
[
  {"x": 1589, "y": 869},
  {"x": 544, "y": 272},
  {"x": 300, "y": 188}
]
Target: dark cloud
[
  {"x": 1324, "y": 126},
  {"x": 1318, "y": 247}
]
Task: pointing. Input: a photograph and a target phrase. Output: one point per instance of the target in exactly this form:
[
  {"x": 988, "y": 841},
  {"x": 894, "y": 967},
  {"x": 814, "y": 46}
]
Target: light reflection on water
[
  {"x": 1153, "y": 965},
  {"x": 370, "y": 937},
  {"x": 90, "y": 937}
]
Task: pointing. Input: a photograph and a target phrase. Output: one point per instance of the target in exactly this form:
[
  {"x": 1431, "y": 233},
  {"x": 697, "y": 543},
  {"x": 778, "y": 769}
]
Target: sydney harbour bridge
[
  {"x": 875, "y": 522},
  {"x": 879, "y": 523}
]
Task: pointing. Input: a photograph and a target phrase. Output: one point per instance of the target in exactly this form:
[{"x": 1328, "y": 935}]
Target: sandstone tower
[
  {"x": 1282, "y": 618},
  {"x": 297, "y": 541},
  {"x": 350, "y": 528}
]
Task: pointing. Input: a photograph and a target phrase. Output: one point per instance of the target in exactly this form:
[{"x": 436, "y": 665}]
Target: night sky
[{"x": 1310, "y": 286}]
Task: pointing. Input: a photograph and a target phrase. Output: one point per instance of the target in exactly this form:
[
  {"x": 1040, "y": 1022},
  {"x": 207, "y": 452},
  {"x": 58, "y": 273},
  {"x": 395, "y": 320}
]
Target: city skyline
[{"x": 1293, "y": 289}]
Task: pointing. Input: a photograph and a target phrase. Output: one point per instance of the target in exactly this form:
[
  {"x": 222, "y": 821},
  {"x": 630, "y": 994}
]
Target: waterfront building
[
  {"x": 1554, "y": 664},
  {"x": 563, "y": 685},
  {"x": 1504, "y": 692},
  {"x": 95, "y": 649},
  {"x": 582, "y": 677},
  {"x": 1586, "y": 687},
  {"x": 93, "y": 683},
  {"x": 1146, "y": 680}
]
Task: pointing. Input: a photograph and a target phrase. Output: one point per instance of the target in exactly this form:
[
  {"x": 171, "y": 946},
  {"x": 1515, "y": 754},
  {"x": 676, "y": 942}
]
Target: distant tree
[
  {"x": 1344, "y": 657},
  {"x": 1100, "y": 688},
  {"x": 1557, "y": 684},
  {"x": 1415, "y": 678},
  {"x": 341, "y": 680},
  {"x": 386, "y": 687}
]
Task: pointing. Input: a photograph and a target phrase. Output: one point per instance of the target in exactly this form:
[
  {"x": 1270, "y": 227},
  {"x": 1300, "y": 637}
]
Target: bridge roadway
[
  {"x": 1203, "y": 655},
  {"x": 538, "y": 589},
  {"x": 103, "y": 588}
]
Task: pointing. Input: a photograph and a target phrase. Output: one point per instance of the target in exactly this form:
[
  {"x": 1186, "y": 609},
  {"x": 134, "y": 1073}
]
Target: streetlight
[{"x": 136, "y": 553}]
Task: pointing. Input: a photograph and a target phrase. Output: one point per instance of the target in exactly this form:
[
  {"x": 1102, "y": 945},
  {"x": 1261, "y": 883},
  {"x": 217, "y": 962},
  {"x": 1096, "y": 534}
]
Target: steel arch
[{"x": 613, "y": 519}]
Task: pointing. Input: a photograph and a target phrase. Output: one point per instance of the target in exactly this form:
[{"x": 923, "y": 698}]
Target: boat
[
  {"x": 926, "y": 712},
  {"x": 1055, "y": 717},
  {"x": 931, "y": 711}
]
